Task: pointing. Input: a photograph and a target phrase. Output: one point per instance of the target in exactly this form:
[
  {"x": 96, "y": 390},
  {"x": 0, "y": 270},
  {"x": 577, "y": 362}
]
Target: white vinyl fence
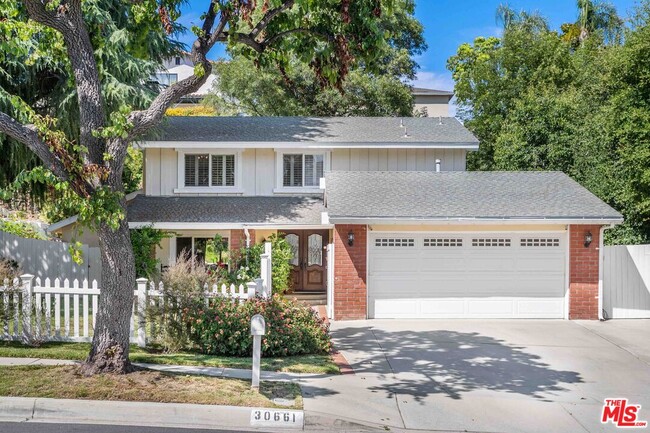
[
  {"x": 626, "y": 282},
  {"x": 35, "y": 310},
  {"x": 43, "y": 258}
]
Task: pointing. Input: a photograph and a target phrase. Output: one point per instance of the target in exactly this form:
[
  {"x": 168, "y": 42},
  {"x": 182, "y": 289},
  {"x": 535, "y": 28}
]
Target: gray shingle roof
[
  {"x": 246, "y": 210},
  {"x": 451, "y": 195},
  {"x": 315, "y": 130},
  {"x": 434, "y": 92}
]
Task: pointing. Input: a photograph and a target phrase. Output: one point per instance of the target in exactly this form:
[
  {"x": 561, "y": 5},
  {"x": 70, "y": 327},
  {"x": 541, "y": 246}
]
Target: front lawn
[
  {"x": 142, "y": 385},
  {"x": 321, "y": 364}
]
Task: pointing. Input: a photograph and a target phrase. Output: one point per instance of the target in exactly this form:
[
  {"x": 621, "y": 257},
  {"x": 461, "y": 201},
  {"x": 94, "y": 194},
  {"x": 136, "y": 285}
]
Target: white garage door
[{"x": 434, "y": 275}]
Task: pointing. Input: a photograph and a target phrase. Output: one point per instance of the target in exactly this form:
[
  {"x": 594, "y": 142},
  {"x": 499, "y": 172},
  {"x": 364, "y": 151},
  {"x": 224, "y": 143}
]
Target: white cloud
[{"x": 435, "y": 80}]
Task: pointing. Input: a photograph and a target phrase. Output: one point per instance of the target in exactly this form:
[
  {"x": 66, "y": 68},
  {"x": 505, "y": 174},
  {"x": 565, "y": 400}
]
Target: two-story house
[{"x": 382, "y": 216}]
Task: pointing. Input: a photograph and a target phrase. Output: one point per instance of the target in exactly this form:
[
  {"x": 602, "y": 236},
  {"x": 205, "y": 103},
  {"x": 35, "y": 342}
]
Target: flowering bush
[{"x": 223, "y": 328}]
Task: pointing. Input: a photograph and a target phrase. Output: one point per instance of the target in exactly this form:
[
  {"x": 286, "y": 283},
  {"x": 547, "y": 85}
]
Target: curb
[{"x": 139, "y": 413}]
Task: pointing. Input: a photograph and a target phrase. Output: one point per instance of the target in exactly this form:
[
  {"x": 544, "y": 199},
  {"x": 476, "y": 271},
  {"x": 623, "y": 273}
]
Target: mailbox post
[{"x": 258, "y": 328}]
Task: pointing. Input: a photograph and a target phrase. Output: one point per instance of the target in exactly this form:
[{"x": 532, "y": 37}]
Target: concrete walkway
[
  {"x": 233, "y": 373},
  {"x": 485, "y": 375}
]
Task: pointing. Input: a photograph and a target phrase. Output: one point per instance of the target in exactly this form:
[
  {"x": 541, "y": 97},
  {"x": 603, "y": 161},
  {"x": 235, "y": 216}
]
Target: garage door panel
[
  {"x": 491, "y": 307},
  {"x": 447, "y": 264},
  {"x": 439, "y": 307},
  {"x": 395, "y": 308},
  {"x": 541, "y": 307},
  {"x": 492, "y": 263},
  {"x": 466, "y": 275},
  {"x": 540, "y": 264},
  {"x": 384, "y": 288}
]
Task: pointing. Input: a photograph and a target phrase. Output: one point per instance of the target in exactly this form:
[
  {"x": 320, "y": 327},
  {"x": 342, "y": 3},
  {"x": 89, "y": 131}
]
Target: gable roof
[
  {"x": 421, "y": 195},
  {"x": 324, "y": 130}
]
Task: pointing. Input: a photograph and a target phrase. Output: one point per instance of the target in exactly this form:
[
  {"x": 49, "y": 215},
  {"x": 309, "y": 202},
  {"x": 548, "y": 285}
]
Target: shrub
[
  {"x": 223, "y": 328},
  {"x": 9, "y": 269},
  {"x": 183, "y": 289},
  {"x": 21, "y": 229},
  {"x": 281, "y": 254},
  {"x": 144, "y": 242}
]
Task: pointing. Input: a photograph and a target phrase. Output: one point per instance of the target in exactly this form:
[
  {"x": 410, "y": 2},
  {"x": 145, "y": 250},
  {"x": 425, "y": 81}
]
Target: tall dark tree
[{"x": 328, "y": 35}]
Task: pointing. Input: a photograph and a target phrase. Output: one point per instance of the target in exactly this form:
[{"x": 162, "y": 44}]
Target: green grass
[
  {"x": 321, "y": 364},
  {"x": 142, "y": 385}
]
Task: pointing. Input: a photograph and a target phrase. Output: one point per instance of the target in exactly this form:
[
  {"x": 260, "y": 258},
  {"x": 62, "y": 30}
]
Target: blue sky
[{"x": 448, "y": 24}]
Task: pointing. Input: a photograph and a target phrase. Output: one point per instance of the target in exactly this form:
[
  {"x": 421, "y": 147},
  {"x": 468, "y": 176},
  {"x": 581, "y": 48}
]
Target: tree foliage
[
  {"x": 539, "y": 101},
  {"x": 101, "y": 53},
  {"x": 290, "y": 87}
]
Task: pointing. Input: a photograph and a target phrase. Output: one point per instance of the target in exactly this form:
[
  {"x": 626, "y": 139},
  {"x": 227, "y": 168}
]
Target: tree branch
[
  {"x": 268, "y": 17},
  {"x": 68, "y": 20},
  {"x": 27, "y": 135},
  {"x": 144, "y": 120}
]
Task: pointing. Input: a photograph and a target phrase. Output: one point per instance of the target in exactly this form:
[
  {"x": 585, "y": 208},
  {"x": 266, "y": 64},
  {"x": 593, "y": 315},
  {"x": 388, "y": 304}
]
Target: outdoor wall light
[
  {"x": 588, "y": 239},
  {"x": 351, "y": 238}
]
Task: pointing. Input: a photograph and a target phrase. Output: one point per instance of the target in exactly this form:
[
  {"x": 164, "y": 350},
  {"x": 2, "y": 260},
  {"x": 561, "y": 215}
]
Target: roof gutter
[
  {"x": 470, "y": 145},
  {"x": 474, "y": 220}
]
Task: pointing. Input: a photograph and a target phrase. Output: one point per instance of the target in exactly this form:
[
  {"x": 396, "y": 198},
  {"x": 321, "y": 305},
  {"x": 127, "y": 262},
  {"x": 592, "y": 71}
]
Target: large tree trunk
[{"x": 110, "y": 346}]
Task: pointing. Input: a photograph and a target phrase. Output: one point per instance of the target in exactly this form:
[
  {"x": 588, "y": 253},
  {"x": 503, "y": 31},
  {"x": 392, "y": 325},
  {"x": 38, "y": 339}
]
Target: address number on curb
[{"x": 277, "y": 418}]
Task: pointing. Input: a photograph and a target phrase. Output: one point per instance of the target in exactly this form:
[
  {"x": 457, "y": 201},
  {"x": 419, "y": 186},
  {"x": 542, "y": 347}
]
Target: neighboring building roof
[
  {"x": 344, "y": 130},
  {"x": 226, "y": 210},
  {"x": 460, "y": 195},
  {"x": 433, "y": 92}
]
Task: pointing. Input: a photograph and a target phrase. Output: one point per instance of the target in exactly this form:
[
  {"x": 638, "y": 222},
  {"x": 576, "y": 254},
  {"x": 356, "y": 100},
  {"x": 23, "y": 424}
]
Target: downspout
[{"x": 601, "y": 270}]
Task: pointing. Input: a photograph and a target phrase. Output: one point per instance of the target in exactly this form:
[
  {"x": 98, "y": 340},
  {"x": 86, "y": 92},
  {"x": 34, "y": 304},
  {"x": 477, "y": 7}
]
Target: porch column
[{"x": 350, "y": 301}]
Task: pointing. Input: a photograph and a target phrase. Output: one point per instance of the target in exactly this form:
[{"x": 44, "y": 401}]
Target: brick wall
[
  {"x": 583, "y": 272},
  {"x": 350, "y": 273},
  {"x": 238, "y": 239}
]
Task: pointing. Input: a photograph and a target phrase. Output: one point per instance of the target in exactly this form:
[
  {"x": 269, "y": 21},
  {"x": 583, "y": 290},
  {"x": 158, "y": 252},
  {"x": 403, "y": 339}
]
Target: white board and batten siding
[
  {"x": 398, "y": 159},
  {"x": 626, "y": 282},
  {"x": 259, "y": 165},
  {"x": 467, "y": 275}
]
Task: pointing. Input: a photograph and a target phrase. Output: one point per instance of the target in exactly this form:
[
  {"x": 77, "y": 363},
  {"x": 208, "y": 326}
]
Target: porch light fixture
[
  {"x": 588, "y": 239},
  {"x": 350, "y": 238}
]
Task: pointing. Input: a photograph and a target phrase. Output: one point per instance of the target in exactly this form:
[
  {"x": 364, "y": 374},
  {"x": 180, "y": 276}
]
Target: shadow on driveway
[{"x": 449, "y": 362}]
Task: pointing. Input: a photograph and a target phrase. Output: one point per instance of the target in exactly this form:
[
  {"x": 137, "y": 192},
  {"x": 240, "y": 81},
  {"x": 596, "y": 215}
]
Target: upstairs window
[
  {"x": 300, "y": 169},
  {"x": 223, "y": 170},
  {"x": 206, "y": 170}
]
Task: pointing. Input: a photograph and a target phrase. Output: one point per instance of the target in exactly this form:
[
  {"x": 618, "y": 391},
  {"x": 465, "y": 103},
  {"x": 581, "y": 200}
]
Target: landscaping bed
[
  {"x": 143, "y": 385},
  {"x": 321, "y": 364}
]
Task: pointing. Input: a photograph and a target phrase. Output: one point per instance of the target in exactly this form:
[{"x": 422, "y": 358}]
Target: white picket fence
[{"x": 59, "y": 310}]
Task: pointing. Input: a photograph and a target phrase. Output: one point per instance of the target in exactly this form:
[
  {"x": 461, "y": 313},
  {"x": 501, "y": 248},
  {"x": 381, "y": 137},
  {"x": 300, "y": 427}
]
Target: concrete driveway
[{"x": 485, "y": 375}]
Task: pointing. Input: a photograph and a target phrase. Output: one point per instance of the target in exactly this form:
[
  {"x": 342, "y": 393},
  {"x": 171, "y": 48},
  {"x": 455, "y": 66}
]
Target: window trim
[
  {"x": 235, "y": 189},
  {"x": 279, "y": 171}
]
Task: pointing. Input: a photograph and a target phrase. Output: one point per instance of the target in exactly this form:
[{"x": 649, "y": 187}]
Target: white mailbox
[{"x": 258, "y": 325}]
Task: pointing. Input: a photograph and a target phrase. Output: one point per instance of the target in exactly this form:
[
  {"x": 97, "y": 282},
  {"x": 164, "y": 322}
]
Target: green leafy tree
[
  {"x": 131, "y": 45},
  {"x": 89, "y": 159},
  {"x": 539, "y": 101},
  {"x": 291, "y": 88}
]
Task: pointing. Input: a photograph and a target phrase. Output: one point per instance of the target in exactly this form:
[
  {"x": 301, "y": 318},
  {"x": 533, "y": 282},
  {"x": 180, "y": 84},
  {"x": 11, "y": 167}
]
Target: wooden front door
[{"x": 309, "y": 262}]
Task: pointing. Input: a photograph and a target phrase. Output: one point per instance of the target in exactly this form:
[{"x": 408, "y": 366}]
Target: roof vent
[
  {"x": 406, "y": 133},
  {"x": 439, "y": 120},
  {"x": 437, "y": 166},
  {"x": 401, "y": 123}
]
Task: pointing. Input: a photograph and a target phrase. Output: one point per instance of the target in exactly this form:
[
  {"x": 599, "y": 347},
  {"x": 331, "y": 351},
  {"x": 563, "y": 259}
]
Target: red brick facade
[
  {"x": 238, "y": 239},
  {"x": 350, "y": 300},
  {"x": 583, "y": 272}
]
